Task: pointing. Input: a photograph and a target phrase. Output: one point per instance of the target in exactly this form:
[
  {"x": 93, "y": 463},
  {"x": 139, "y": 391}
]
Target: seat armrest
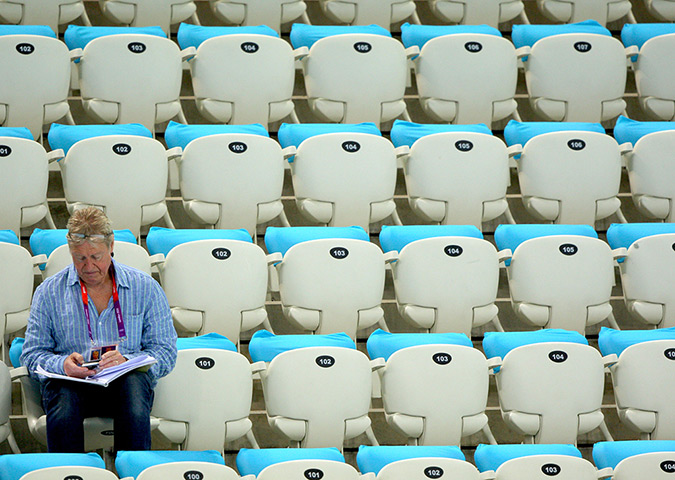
[
  {"x": 390, "y": 257},
  {"x": 523, "y": 52},
  {"x": 55, "y": 155},
  {"x": 174, "y": 153},
  {"x": 39, "y": 259},
  {"x": 493, "y": 363},
  {"x": 377, "y": 363},
  {"x": 609, "y": 360},
  {"x": 188, "y": 53},
  {"x": 274, "y": 258},
  {"x": 288, "y": 152},
  {"x": 75, "y": 54},
  {"x": 504, "y": 255},
  {"x": 157, "y": 260},
  {"x": 514, "y": 150},
  {"x": 632, "y": 50},
  {"x": 605, "y": 472},
  {"x": 18, "y": 372},
  {"x": 412, "y": 51}
]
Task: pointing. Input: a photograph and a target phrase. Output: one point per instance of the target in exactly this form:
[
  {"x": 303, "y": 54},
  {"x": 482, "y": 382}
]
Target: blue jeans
[{"x": 127, "y": 400}]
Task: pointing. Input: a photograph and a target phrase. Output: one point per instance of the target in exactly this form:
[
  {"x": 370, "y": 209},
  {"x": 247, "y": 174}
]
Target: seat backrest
[
  {"x": 248, "y": 70},
  {"x": 31, "y": 12},
  {"x": 349, "y": 170},
  {"x": 362, "y": 71},
  {"x": 16, "y": 287},
  {"x": 653, "y": 68},
  {"x": 238, "y": 172},
  {"x": 145, "y": 13},
  {"x": 473, "y": 70},
  {"x": 462, "y": 169},
  {"x": 24, "y": 174},
  {"x": 602, "y": 11},
  {"x": 575, "y": 168},
  {"x": 303, "y": 384},
  {"x": 299, "y": 469},
  {"x": 477, "y": 12},
  {"x": 655, "y": 465},
  {"x": 220, "y": 279},
  {"x": 130, "y": 254},
  {"x": 121, "y": 173},
  {"x": 43, "y": 466},
  {"x": 256, "y": 12},
  {"x": 542, "y": 467},
  {"x": 368, "y": 12},
  {"x": 85, "y": 473},
  {"x": 560, "y": 64},
  {"x": 635, "y": 459},
  {"x": 37, "y": 75},
  {"x": 336, "y": 277}
]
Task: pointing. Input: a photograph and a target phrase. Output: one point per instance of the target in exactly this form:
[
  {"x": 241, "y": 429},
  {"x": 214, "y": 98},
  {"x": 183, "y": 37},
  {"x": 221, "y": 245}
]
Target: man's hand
[
  {"x": 111, "y": 359},
  {"x": 73, "y": 366}
]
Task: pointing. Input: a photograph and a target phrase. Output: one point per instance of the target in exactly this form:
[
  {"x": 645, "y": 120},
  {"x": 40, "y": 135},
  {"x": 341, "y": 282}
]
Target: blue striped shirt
[{"x": 57, "y": 325}]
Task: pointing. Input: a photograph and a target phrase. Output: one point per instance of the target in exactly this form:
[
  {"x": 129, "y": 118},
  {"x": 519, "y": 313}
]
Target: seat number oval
[
  {"x": 205, "y": 363},
  {"x": 25, "y": 48},
  {"x": 442, "y": 358},
  {"x": 250, "y": 47},
  {"x": 668, "y": 466},
  {"x": 221, "y": 253},
  {"x": 464, "y": 145},
  {"x": 193, "y": 475},
  {"x": 363, "y": 47},
  {"x": 582, "y": 47},
  {"x": 673, "y": 246},
  {"x": 339, "y": 252},
  {"x": 453, "y": 250},
  {"x": 137, "y": 47},
  {"x": 473, "y": 47},
  {"x": 551, "y": 469},
  {"x": 351, "y": 146},
  {"x": 557, "y": 356},
  {"x": 121, "y": 149},
  {"x": 568, "y": 249},
  {"x": 108, "y": 433},
  {"x": 313, "y": 474},
  {"x": 325, "y": 361},
  {"x": 73, "y": 477},
  {"x": 433, "y": 472},
  {"x": 669, "y": 353},
  {"x": 237, "y": 147},
  {"x": 5, "y": 151},
  {"x": 576, "y": 144}
]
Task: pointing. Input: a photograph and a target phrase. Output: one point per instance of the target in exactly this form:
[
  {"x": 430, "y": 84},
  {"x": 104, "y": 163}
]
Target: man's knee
[{"x": 136, "y": 393}]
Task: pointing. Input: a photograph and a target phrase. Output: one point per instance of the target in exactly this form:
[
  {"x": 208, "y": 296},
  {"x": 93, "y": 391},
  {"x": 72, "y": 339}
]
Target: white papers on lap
[{"x": 107, "y": 375}]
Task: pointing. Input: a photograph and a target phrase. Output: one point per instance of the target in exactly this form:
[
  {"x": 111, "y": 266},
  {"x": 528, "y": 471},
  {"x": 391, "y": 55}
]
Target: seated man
[{"x": 92, "y": 304}]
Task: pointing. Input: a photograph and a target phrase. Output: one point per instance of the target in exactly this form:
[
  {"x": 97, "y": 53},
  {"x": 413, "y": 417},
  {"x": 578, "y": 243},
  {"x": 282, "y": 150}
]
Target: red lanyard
[{"x": 116, "y": 303}]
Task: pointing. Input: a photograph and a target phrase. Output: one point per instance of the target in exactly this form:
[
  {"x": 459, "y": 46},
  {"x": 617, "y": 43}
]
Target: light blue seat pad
[
  {"x": 14, "y": 466},
  {"x": 42, "y": 30},
  {"x": 77, "y": 36},
  {"x": 162, "y": 240},
  {"x": 609, "y": 454},
  {"x": 15, "y": 351},
  {"x": 16, "y": 132},
  {"x": 303, "y": 35},
  {"x": 624, "y": 234},
  {"x": 383, "y": 344},
  {"x": 523, "y": 35},
  {"x": 490, "y": 457},
  {"x": 421, "y": 34},
  {"x": 46, "y": 241},
  {"x": 521, "y": 132},
  {"x": 293, "y": 134},
  {"x": 407, "y": 133},
  {"x": 265, "y": 345},
  {"x": 280, "y": 239},
  {"x": 638, "y": 33},
  {"x": 209, "y": 340},
  {"x": 194, "y": 35},
  {"x": 131, "y": 464},
  {"x": 395, "y": 237},
  {"x": 373, "y": 459},
  {"x": 252, "y": 461},
  {"x": 179, "y": 135},
  {"x": 627, "y": 130},
  {"x": 616, "y": 341},
  {"x": 65, "y": 136},
  {"x": 8, "y": 236},
  {"x": 499, "y": 344},
  {"x": 510, "y": 236}
]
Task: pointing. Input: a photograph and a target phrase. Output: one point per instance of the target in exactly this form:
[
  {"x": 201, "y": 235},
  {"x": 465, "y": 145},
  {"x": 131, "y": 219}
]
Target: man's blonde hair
[{"x": 89, "y": 221}]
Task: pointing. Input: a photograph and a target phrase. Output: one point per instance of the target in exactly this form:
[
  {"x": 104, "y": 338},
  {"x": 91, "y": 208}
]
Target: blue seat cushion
[
  {"x": 627, "y": 130},
  {"x": 528, "y": 35},
  {"x": 179, "y": 135},
  {"x": 131, "y": 464},
  {"x": 384, "y": 344},
  {"x": 253, "y": 461},
  {"x": 46, "y": 241},
  {"x": 293, "y": 134},
  {"x": 16, "y": 132},
  {"x": 13, "y": 467},
  {"x": 8, "y": 236},
  {"x": 303, "y": 35},
  {"x": 194, "y": 35},
  {"x": 65, "y": 136},
  {"x": 265, "y": 345},
  {"x": 510, "y": 236},
  {"x": 162, "y": 240},
  {"x": 209, "y": 340},
  {"x": 407, "y": 133},
  {"x": 616, "y": 341},
  {"x": 609, "y": 454},
  {"x": 395, "y": 237},
  {"x": 421, "y": 34},
  {"x": 42, "y": 30},
  {"x": 280, "y": 239},
  {"x": 373, "y": 459},
  {"x": 624, "y": 234},
  {"x": 521, "y": 132},
  {"x": 638, "y": 33},
  {"x": 77, "y": 36},
  {"x": 490, "y": 457},
  {"x": 499, "y": 344},
  {"x": 15, "y": 351}
]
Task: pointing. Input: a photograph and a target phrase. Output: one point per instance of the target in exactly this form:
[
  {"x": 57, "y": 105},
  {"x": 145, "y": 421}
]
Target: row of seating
[
  {"x": 434, "y": 387},
  {"x": 352, "y": 74},
  {"x": 627, "y": 460}
]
